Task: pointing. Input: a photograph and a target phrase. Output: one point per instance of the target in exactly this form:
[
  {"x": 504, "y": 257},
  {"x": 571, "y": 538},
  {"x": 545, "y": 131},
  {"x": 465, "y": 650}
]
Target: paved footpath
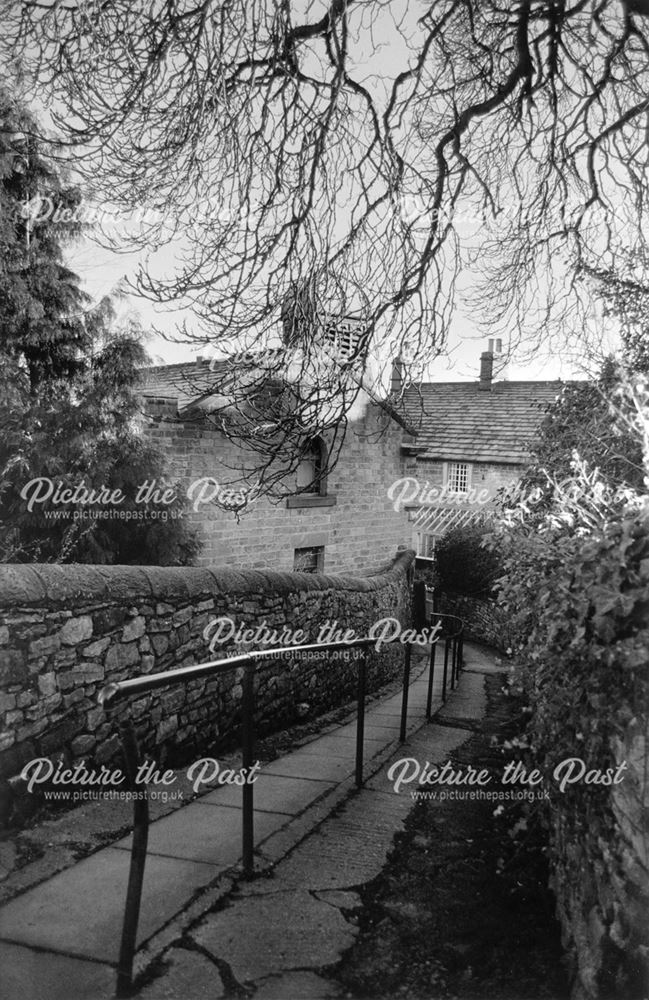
[{"x": 317, "y": 839}]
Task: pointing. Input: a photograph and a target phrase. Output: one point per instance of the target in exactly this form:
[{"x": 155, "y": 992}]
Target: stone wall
[
  {"x": 484, "y": 621},
  {"x": 66, "y": 631},
  {"x": 356, "y": 529},
  {"x": 490, "y": 476},
  {"x": 599, "y": 858}
]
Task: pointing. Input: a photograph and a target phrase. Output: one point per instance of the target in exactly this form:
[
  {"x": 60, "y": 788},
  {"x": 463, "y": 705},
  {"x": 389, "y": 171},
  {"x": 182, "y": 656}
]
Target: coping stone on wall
[
  {"x": 233, "y": 581},
  {"x": 166, "y": 583},
  {"x": 60, "y": 584},
  {"x": 21, "y": 584}
]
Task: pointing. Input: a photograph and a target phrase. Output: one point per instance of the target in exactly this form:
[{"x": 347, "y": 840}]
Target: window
[
  {"x": 309, "y": 560},
  {"x": 424, "y": 544},
  {"x": 310, "y": 470},
  {"x": 458, "y": 477},
  {"x": 311, "y": 477}
]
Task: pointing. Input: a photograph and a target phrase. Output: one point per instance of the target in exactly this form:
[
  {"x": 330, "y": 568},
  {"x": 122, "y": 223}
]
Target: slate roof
[
  {"x": 459, "y": 421},
  {"x": 191, "y": 382},
  {"x": 187, "y": 382}
]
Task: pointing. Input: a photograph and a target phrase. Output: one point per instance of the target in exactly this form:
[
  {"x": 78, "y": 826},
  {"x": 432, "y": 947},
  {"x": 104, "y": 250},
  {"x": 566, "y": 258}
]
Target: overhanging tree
[{"x": 340, "y": 145}]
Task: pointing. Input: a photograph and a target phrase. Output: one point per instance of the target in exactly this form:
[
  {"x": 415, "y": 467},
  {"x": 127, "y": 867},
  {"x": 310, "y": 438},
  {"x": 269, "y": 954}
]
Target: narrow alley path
[{"x": 319, "y": 841}]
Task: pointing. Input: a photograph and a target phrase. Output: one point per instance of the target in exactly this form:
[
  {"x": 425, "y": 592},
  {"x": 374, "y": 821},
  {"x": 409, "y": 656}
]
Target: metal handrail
[
  {"x": 459, "y": 623},
  {"x": 452, "y": 631},
  {"x": 113, "y": 692},
  {"x": 453, "y": 644}
]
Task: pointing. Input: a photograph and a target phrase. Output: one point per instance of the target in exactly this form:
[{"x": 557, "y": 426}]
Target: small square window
[
  {"x": 309, "y": 560},
  {"x": 458, "y": 477}
]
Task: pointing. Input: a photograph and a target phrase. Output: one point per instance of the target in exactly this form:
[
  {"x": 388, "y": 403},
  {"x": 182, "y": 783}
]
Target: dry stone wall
[
  {"x": 484, "y": 621},
  {"x": 66, "y": 631}
]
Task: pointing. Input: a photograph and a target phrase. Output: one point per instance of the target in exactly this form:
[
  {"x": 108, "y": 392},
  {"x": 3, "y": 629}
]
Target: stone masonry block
[
  {"x": 47, "y": 683},
  {"x": 76, "y": 630},
  {"x": 134, "y": 630},
  {"x": 121, "y": 655}
]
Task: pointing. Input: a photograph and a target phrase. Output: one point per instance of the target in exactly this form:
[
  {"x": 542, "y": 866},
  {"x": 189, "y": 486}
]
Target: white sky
[
  {"x": 377, "y": 65},
  {"x": 102, "y": 270}
]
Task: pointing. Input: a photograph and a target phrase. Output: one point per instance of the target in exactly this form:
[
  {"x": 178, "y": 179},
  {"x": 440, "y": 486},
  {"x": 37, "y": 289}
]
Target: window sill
[{"x": 305, "y": 500}]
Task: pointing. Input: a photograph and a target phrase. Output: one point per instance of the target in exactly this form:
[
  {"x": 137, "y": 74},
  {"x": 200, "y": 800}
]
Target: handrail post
[
  {"x": 360, "y": 715},
  {"x": 446, "y": 642},
  {"x": 453, "y": 661},
  {"x": 431, "y": 674},
  {"x": 137, "y": 862},
  {"x": 404, "y": 696},
  {"x": 247, "y": 745}
]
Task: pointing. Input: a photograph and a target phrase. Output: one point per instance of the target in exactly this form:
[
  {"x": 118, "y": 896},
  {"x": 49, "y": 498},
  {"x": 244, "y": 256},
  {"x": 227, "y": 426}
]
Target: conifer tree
[{"x": 68, "y": 373}]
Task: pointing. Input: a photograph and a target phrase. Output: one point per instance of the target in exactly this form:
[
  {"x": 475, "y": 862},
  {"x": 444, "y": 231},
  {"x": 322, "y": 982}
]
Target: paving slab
[
  {"x": 272, "y": 793},
  {"x": 387, "y": 711},
  {"x": 343, "y": 750},
  {"x": 186, "y": 975},
  {"x": 385, "y": 724},
  {"x": 431, "y": 743},
  {"x": 312, "y": 766},
  {"x": 39, "y": 975},
  {"x": 79, "y": 912},
  {"x": 206, "y": 833},
  {"x": 260, "y": 935},
  {"x": 339, "y": 742}
]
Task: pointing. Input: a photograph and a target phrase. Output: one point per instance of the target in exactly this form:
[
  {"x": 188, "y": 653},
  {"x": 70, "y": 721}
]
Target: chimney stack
[
  {"x": 486, "y": 370},
  {"x": 396, "y": 380}
]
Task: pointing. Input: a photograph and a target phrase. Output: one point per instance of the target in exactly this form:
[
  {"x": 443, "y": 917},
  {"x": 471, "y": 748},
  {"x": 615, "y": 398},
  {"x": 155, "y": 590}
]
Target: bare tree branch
[{"x": 341, "y": 145}]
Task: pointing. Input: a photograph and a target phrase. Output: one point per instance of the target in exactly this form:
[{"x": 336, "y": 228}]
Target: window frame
[
  {"x": 318, "y": 497},
  {"x": 320, "y": 557},
  {"x": 447, "y": 478},
  {"x": 417, "y": 539}
]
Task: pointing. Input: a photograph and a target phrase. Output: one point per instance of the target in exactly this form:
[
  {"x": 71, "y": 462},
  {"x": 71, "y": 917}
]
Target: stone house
[
  {"x": 472, "y": 439},
  {"x": 403, "y": 477},
  {"x": 341, "y": 523}
]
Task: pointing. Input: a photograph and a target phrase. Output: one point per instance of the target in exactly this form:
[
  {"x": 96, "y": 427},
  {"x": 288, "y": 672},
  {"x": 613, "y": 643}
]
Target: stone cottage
[
  {"x": 343, "y": 522},
  {"x": 404, "y": 475},
  {"x": 471, "y": 440}
]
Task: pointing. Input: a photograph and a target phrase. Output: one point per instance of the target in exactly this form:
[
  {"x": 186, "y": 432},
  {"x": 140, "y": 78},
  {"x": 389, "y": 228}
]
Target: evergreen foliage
[
  {"x": 464, "y": 565},
  {"x": 68, "y": 410}
]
